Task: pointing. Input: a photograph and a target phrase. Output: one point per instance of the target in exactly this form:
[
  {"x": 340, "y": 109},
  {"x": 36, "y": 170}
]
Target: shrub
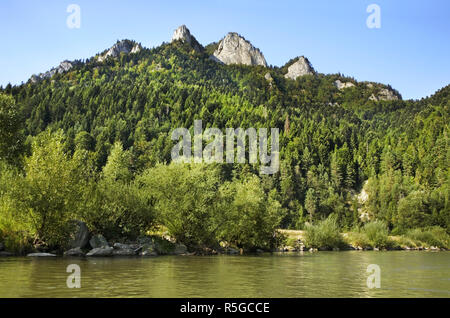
[
  {"x": 432, "y": 236},
  {"x": 377, "y": 234},
  {"x": 325, "y": 234},
  {"x": 358, "y": 239}
]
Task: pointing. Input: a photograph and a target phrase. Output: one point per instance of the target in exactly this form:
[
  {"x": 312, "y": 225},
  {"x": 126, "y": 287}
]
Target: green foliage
[
  {"x": 325, "y": 234},
  {"x": 186, "y": 200},
  {"x": 251, "y": 216},
  {"x": 377, "y": 234},
  {"x": 11, "y": 137},
  {"x": 108, "y": 163},
  {"x": 433, "y": 236}
]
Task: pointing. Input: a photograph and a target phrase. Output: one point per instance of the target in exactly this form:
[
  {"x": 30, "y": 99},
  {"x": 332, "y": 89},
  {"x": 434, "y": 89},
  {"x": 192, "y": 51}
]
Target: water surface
[{"x": 322, "y": 274}]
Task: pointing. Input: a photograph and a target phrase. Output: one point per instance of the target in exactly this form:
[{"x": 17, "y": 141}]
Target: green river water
[{"x": 322, "y": 274}]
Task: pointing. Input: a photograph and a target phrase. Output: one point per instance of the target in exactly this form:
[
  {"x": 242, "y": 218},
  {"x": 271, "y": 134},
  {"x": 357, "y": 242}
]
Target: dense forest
[{"x": 94, "y": 143}]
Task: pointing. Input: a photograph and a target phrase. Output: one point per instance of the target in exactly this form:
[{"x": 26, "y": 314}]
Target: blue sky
[{"x": 410, "y": 51}]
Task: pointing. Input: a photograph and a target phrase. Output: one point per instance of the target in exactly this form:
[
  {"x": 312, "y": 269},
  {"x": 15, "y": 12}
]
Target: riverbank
[{"x": 88, "y": 245}]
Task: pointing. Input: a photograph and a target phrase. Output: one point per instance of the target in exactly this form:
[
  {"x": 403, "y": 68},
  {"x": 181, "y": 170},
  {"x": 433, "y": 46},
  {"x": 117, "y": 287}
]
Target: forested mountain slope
[{"x": 332, "y": 137}]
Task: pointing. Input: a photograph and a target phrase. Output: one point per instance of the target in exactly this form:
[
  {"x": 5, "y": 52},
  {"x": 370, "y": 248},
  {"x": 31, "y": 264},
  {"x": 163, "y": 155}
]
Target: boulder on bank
[
  {"x": 79, "y": 235},
  {"x": 98, "y": 241},
  {"x": 180, "y": 249},
  {"x": 148, "y": 250},
  {"x": 76, "y": 252},
  {"x": 41, "y": 255},
  {"x": 232, "y": 251},
  {"x": 5, "y": 254},
  {"x": 101, "y": 251},
  {"x": 124, "y": 252}
]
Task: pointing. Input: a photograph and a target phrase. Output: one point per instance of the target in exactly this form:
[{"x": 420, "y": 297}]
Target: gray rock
[
  {"x": 148, "y": 250},
  {"x": 41, "y": 255},
  {"x": 385, "y": 94},
  {"x": 64, "y": 66},
  {"x": 77, "y": 252},
  {"x": 232, "y": 251},
  {"x": 121, "y": 246},
  {"x": 124, "y": 252},
  {"x": 300, "y": 67},
  {"x": 123, "y": 46},
  {"x": 5, "y": 254},
  {"x": 341, "y": 85},
  {"x": 235, "y": 49},
  {"x": 180, "y": 249},
  {"x": 98, "y": 241},
  {"x": 101, "y": 251},
  {"x": 183, "y": 34},
  {"x": 79, "y": 235}
]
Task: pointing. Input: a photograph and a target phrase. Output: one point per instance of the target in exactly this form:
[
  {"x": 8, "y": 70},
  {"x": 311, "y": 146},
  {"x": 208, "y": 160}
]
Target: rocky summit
[
  {"x": 234, "y": 49},
  {"x": 124, "y": 46},
  {"x": 64, "y": 66},
  {"x": 300, "y": 67},
  {"x": 183, "y": 34}
]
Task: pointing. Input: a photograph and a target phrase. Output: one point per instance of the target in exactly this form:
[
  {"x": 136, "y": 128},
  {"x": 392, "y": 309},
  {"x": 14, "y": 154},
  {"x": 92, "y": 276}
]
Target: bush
[
  {"x": 432, "y": 236},
  {"x": 326, "y": 234},
  {"x": 377, "y": 234},
  {"x": 251, "y": 216},
  {"x": 358, "y": 239}
]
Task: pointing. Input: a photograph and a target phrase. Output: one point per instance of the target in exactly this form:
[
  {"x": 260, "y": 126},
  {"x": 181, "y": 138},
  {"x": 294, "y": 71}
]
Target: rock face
[
  {"x": 183, "y": 34},
  {"x": 234, "y": 49},
  {"x": 341, "y": 85},
  {"x": 98, "y": 241},
  {"x": 79, "y": 236},
  {"x": 300, "y": 67},
  {"x": 124, "y": 46},
  {"x": 64, "y": 66},
  {"x": 384, "y": 94}
]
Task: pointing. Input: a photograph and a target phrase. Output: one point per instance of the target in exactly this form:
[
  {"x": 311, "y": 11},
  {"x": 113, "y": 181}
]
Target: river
[{"x": 322, "y": 274}]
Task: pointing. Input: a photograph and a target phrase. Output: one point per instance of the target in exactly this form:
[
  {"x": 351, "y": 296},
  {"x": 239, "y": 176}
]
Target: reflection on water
[{"x": 323, "y": 274}]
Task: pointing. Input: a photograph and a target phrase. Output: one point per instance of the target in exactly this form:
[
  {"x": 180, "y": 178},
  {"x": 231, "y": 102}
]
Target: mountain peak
[
  {"x": 300, "y": 67},
  {"x": 235, "y": 49},
  {"x": 183, "y": 34},
  {"x": 123, "y": 46}
]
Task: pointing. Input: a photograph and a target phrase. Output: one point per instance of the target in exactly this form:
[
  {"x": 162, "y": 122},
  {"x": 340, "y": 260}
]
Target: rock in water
[
  {"x": 235, "y": 49},
  {"x": 101, "y": 251},
  {"x": 98, "y": 241},
  {"x": 41, "y": 255},
  {"x": 300, "y": 67},
  {"x": 5, "y": 254},
  {"x": 79, "y": 235},
  {"x": 74, "y": 252},
  {"x": 183, "y": 34}
]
